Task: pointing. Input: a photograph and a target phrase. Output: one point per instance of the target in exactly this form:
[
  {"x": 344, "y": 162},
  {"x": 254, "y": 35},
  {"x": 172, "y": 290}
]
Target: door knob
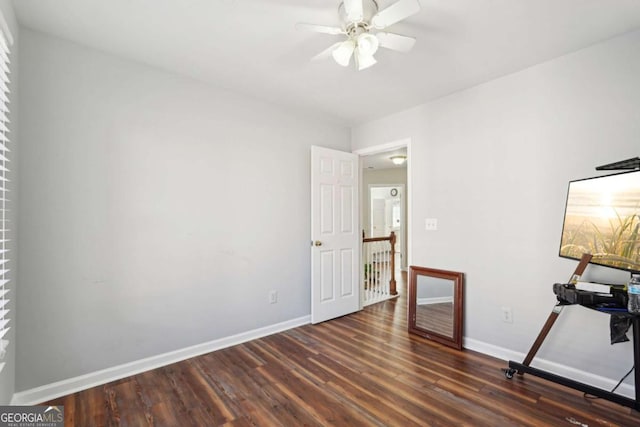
[{"x": 317, "y": 243}]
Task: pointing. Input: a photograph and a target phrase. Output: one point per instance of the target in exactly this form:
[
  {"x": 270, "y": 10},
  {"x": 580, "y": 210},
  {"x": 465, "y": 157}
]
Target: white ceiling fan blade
[
  {"x": 326, "y": 54},
  {"x": 319, "y": 28},
  {"x": 353, "y": 9},
  {"x": 396, "y": 12},
  {"x": 396, "y": 41}
]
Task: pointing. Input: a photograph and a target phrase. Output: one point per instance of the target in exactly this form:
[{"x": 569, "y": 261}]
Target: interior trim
[{"x": 71, "y": 385}]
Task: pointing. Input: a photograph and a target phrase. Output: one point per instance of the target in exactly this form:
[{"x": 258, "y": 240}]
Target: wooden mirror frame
[{"x": 454, "y": 341}]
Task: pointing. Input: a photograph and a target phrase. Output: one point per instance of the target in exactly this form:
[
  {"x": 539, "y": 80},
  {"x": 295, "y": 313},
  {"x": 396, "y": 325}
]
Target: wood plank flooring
[
  {"x": 359, "y": 370},
  {"x": 437, "y": 318}
]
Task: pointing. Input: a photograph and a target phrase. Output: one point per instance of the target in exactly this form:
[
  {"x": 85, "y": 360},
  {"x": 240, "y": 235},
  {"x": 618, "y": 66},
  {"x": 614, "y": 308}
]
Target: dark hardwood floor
[
  {"x": 359, "y": 370},
  {"x": 436, "y": 317}
]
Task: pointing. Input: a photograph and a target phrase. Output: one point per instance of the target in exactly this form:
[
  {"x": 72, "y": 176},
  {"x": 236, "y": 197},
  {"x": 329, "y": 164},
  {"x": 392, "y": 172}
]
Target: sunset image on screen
[{"x": 602, "y": 218}]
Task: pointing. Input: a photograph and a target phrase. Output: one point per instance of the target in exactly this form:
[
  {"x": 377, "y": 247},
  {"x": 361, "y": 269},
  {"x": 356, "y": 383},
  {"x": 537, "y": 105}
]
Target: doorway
[{"x": 384, "y": 195}]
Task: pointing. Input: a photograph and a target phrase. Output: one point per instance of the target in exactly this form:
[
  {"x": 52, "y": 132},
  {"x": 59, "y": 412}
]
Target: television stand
[{"x": 524, "y": 367}]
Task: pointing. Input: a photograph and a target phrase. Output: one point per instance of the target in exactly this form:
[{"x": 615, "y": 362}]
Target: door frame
[{"x": 381, "y": 148}]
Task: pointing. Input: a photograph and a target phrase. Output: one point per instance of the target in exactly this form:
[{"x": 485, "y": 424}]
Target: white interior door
[{"x": 336, "y": 241}]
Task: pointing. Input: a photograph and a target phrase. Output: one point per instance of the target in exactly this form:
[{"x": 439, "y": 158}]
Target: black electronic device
[
  {"x": 632, "y": 163},
  {"x": 568, "y": 294}
]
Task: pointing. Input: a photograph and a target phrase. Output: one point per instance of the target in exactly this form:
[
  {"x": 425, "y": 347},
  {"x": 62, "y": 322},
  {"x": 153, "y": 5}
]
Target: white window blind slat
[{"x": 6, "y": 39}]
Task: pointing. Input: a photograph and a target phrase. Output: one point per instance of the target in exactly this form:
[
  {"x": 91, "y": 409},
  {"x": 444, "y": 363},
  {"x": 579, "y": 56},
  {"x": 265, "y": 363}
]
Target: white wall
[
  {"x": 157, "y": 212},
  {"x": 433, "y": 287},
  {"x": 7, "y": 376},
  {"x": 494, "y": 165}
]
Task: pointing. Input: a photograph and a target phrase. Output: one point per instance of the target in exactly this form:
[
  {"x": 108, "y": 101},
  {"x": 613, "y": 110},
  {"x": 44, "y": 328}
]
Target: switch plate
[{"x": 431, "y": 224}]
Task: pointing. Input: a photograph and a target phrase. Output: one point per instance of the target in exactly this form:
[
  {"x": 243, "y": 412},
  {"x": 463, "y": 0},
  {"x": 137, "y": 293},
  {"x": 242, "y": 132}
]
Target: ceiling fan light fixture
[
  {"x": 398, "y": 160},
  {"x": 364, "y": 61},
  {"x": 342, "y": 54},
  {"x": 358, "y": 18},
  {"x": 367, "y": 44}
]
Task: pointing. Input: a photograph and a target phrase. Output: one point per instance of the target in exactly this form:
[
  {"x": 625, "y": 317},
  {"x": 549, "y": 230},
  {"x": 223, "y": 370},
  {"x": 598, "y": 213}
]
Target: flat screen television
[{"x": 602, "y": 218}]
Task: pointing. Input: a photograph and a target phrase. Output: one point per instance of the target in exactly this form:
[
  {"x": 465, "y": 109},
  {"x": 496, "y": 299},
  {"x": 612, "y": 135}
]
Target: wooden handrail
[
  {"x": 377, "y": 239},
  {"x": 392, "y": 241}
]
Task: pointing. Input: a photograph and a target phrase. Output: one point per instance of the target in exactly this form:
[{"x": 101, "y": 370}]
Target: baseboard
[
  {"x": 547, "y": 365},
  {"x": 434, "y": 300},
  {"x": 62, "y": 388}
]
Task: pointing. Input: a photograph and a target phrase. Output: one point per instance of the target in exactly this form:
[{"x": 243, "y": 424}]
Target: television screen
[{"x": 602, "y": 218}]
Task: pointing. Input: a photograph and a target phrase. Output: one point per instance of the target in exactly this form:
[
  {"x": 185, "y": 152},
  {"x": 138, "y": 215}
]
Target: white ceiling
[
  {"x": 252, "y": 46},
  {"x": 383, "y": 160}
]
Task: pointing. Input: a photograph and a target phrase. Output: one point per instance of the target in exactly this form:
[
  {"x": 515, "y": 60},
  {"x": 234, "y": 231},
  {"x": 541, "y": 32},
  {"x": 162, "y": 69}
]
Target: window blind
[{"x": 4, "y": 193}]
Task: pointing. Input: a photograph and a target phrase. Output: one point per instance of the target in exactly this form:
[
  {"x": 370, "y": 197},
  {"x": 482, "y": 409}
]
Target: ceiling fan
[{"x": 361, "y": 23}]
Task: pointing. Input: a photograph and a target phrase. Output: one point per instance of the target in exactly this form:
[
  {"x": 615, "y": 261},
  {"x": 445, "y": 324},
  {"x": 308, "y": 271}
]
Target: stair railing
[{"x": 378, "y": 254}]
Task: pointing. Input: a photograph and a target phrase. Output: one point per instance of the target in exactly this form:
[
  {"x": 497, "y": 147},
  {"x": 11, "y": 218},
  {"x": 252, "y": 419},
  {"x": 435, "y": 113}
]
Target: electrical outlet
[
  {"x": 507, "y": 315},
  {"x": 273, "y": 297},
  {"x": 431, "y": 224}
]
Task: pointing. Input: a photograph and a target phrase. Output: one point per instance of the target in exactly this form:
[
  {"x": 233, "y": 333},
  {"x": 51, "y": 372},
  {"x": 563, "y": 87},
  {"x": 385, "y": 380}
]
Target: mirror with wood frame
[{"x": 435, "y": 305}]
